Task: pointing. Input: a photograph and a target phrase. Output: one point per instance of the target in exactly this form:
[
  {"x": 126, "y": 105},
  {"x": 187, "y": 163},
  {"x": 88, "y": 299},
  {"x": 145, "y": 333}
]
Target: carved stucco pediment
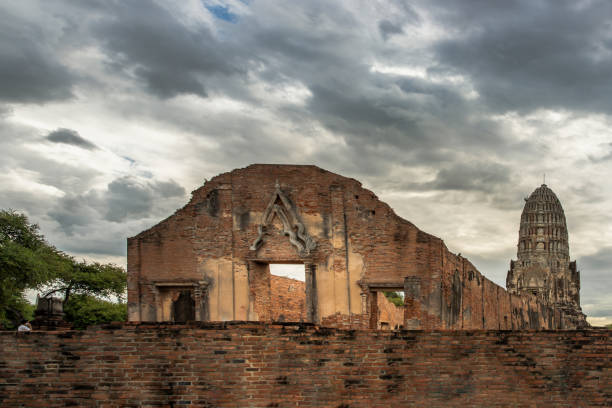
[{"x": 293, "y": 228}]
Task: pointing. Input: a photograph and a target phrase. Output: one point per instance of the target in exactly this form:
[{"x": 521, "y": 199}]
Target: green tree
[
  {"x": 87, "y": 289},
  {"x": 395, "y": 298},
  {"x": 85, "y": 310},
  {"x": 27, "y": 261},
  {"x": 91, "y": 279}
]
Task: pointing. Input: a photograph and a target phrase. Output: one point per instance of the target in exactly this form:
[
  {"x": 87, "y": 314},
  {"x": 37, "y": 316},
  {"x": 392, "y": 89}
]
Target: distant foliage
[
  {"x": 27, "y": 261},
  {"x": 93, "y": 279},
  {"x": 86, "y": 310},
  {"x": 395, "y": 298}
]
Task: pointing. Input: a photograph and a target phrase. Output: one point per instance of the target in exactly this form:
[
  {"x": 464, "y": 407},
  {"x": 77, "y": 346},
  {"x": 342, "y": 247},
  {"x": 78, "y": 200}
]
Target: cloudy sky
[{"x": 111, "y": 112}]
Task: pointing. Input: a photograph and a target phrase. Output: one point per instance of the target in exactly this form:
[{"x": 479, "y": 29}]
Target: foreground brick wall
[{"x": 259, "y": 365}]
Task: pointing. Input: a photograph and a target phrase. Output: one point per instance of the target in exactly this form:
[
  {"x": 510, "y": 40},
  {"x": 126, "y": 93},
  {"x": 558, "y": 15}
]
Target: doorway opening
[
  {"x": 183, "y": 308},
  {"x": 288, "y": 293}
]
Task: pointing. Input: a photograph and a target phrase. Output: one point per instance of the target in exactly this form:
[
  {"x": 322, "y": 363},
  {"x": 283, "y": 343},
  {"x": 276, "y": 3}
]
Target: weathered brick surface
[
  {"x": 288, "y": 299},
  {"x": 259, "y": 365},
  {"x": 362, "y": 247}
]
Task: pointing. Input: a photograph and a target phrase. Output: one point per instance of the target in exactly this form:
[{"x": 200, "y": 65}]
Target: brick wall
[
  {"x": 288, "y": 299},
  {"x": 259, "y": 365},
  {"x": 343, "y": 321}
]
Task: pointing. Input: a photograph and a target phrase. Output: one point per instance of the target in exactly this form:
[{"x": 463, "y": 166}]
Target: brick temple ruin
[{"x": 210, "y": 261}]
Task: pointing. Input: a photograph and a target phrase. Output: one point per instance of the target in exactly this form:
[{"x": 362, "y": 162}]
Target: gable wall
[{"x": 361, "y": 245}]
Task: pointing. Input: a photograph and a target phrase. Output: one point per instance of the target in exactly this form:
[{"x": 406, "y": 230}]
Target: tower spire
[{"x": 543, "y": 265}]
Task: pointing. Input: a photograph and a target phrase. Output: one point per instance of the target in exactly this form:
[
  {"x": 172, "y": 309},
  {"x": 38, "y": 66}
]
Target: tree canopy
[
  {"x": 85, "y": 310},
  {"x": 92, "y": 279},
  {"x": 28, "y": 261},
  {"x": 395, "y": 297}
]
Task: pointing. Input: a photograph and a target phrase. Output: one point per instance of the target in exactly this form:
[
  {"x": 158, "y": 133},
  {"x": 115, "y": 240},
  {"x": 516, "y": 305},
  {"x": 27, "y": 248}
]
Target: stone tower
[{"x": 543, "y": 267}]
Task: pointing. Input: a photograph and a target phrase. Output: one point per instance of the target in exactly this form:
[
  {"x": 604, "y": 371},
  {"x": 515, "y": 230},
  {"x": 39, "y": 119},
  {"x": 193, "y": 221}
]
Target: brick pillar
[{"x": 412, "y": 302}]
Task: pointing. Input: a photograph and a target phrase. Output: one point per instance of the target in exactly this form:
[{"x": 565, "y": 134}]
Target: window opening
[{"x": 389, "y": 309}]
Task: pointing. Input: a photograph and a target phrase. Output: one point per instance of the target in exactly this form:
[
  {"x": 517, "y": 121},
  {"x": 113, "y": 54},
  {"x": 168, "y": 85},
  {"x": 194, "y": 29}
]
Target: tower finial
[{"x": 544, "y": 179}]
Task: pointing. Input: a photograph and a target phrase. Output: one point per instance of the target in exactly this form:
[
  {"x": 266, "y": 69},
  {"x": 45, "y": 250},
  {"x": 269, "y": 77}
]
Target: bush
[{"x": 85, "y": 310}]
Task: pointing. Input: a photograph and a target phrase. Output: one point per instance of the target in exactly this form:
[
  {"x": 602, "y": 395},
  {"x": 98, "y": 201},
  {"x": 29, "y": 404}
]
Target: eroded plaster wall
[{"x": 352, "y": 245}]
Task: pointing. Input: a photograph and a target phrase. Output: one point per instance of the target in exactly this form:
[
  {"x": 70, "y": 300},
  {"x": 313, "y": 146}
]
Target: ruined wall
[
  {"x": 288, "y": 299},
  {"x": 258, "y": 365},
  {"x": 390, "y": 316},
  {"x": 219, "y": 247}
]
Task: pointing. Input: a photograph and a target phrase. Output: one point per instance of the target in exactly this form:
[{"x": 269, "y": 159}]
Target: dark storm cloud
[
  {"x": 30, "y": 72},
  {"x": 108, "y": 244},
  {"x": 70, "y": 137},
  {"x": 472, "y": 176},
  {"x": 127, "y": 198},
  {"x": 387, "y": 28},
  {"x": 124, "y": 198},
  {"x": 347, "y": 111},
  {"x": 390, "y": 119},
  {"x": 525, "y": 55},
  {"x": 485, "y": 177},
  {"x": 73, "y": 210},
  {"x": 362, "y": 105},
  {"x": 596, "y": 279},
  {"x": 168, "y": 189},
  {"x": 169, "y": 57},
  {"x": 598, "y": 265}
]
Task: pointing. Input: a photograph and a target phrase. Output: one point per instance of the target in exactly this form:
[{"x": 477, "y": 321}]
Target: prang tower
[{"x": 543, "y": 267}]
